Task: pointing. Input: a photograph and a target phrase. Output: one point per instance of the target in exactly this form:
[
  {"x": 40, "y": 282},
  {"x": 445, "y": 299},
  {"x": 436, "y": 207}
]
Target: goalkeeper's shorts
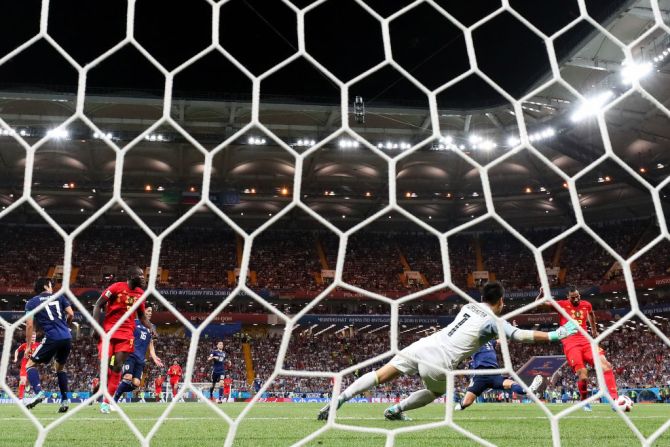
[{"x": 423, "y": 357}]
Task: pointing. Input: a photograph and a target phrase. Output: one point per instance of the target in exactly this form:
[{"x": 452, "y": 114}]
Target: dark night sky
[{"x": 261, "y": 33}]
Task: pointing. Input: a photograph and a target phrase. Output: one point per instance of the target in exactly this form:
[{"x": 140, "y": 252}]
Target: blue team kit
[
  {"x": 135, "y": 362},
  {"x": 218, "y": 369},
  {"x": 52, "y": 318},
  {"x": 485, "y": 358}
]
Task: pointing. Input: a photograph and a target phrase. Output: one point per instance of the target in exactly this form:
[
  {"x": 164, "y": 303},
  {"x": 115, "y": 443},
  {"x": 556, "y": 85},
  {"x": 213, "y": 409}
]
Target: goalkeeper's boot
[
  {"x": 64, "y": 406},
  {"x": 536, "y": 384},
  {"x": 458, "y": 407},
  {"x": 32, "y": 403},
  {"x": 104, "y": 408},
  {"x": 394, "y": 413},
  {"x": 588, "y": 408}
]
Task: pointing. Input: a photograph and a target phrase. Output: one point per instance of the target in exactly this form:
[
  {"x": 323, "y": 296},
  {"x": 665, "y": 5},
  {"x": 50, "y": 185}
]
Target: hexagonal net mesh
[{"x": 524, "y": 143}]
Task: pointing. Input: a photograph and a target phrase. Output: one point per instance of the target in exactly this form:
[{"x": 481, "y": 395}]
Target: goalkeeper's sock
[
  {"x": 610, "y": 382},
  {"x": 517, "y": 389},
  {"x": 417, "y": 399},
  {"x": 363, "y": 383},
  {"x": 582, "y": 384}
]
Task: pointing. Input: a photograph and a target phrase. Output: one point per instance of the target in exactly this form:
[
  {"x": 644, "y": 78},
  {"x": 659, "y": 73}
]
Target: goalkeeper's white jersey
[{"x": 471, "y": 328}]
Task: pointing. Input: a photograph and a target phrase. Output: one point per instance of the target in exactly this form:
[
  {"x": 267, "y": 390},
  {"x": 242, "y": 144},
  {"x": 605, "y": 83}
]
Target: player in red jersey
[
  {"x": 577, "y": 348},
  {"x": 95, "y": 385},
  {"x": 227, "y": 388},
  {"x": 175, "y": 373},
  {"x": 23, "y": 375},
  {"x": 117, "y": 299},
  {"x": 158, "y": 388}
]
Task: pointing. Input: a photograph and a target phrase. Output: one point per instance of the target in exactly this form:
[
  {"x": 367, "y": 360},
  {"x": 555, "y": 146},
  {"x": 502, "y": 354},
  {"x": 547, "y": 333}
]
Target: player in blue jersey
[
  {"x": 218, "y": 358},
  {"x": 134, "y": 365},
  {"x": 486, "y": 358},
  {"x": 54, "y": 318}
]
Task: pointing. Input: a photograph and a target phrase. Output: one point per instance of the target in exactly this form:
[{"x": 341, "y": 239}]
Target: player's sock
[
  {"x": 211, "y": 392},
  {"x": 62, "y": 384},
  {"x": 364, "y": 382},
  {"x": 517, "y": 389},
  {"x": 582, "y": 384},
  {"x": 22, "y": 390},
  {"x": 417, "y": 399},
  {"x": 610, "y": 382},
  {"x": 34, "y": 379},
  {"x": 125, "y": 386},
  {"x": 113, "y": 380}
]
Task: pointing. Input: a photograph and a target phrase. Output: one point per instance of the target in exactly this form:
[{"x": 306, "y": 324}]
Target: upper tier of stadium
[{"x": 344, "y": 181}]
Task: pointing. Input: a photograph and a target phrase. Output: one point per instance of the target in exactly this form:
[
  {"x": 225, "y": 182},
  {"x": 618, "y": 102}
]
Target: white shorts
[{"x": 413, "y": 361}]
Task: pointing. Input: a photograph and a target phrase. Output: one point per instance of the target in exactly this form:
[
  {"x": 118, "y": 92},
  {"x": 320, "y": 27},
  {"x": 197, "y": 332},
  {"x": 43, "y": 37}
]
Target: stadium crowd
[{"x": 287, "y": 260}]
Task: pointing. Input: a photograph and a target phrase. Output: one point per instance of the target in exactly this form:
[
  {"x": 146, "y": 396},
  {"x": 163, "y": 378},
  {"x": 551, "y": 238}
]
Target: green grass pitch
[{"x": 281, "y": 424}]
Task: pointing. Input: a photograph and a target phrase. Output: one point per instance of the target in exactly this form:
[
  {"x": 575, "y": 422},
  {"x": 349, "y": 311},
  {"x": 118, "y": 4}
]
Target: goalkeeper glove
[{"x": 566, "y": 330}]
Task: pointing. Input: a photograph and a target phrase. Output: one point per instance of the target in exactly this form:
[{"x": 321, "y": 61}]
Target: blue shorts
[
  {"x": 49, "y": 349},
  {"x": 479, "y": 384},
  {"x": 133, "y": 366},
  {"x": 217, "y": 377}
]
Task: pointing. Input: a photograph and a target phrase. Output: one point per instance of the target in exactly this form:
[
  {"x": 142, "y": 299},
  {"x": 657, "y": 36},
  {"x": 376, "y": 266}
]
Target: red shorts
[
  {"x": 226, "y": 391},
  {"x": 174, "y": 380},
  {"x": 22, "y": 372},
  {"x": 118, "y": 345},
  {"x": 159, "y": 390},
  {"x": 579, "y": 355}
]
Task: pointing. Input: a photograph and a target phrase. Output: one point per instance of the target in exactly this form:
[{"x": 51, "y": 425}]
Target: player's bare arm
[
  {"x": 593, "y": 323},
  {"x": 16, "y": 355},
  {"x": 154, "y": 357},
  {"x": 97, "y": 312},
  {"x": 30, "y": 328},
  {"x": 69, "y": 317}
]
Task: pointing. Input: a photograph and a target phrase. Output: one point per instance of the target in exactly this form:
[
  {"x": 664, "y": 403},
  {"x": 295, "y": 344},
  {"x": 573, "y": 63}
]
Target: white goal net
[{"x": 347, "y": 132}]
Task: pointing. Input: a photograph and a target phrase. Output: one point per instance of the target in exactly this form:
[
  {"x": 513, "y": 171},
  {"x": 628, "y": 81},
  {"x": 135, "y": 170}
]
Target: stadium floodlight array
[
  {"x": 148, "y": 137},
  {"x": 256, "y": 141},
  {"x": 101, "y": 135},
  {"x": 345, "y": 132},
  {"x": 306, "y": 142},
  {"x": 59, "y": 133},
  {"x": 348, "y": 143},
  {"x": 592, "y": 105},
  {"x": 394, "y": 145},
  {"x": 634, "y": 71},
  {"x": 9, "y": 132}
]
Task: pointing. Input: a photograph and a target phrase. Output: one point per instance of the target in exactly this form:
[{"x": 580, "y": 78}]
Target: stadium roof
[{"x": 344, "y": 181}]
